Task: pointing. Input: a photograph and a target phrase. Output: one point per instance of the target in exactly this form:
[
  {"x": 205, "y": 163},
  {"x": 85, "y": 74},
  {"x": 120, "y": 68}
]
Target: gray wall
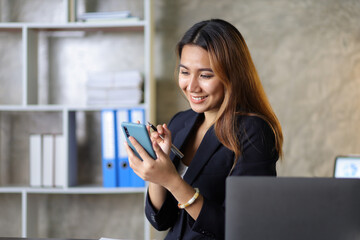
[{"x": 307, "y": 54}]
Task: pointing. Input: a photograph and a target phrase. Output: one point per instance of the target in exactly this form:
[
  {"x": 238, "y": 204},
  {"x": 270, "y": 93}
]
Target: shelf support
[{"x": 24, "y": 214}]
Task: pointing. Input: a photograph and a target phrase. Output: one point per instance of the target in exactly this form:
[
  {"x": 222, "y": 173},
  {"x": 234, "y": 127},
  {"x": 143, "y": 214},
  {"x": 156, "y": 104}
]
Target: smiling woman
[
  {"x": 203, "y": 89},
  {"x": 230, "y": 129}
]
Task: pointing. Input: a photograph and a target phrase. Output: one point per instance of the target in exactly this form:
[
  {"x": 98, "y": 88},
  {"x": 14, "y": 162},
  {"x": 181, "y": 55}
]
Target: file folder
[
  {"x": 35, "y": 148},
  {"x": 124, "y": 170},
  {"x": 137, "y": 114},
  {"x": 59, "y": 159},
  {"x": 109, "y": 143},
  {"x": 48, "y": 160}
]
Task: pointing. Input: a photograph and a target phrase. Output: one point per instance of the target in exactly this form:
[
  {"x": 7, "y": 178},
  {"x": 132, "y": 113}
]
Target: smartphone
[{"x": 140, "y": 133}]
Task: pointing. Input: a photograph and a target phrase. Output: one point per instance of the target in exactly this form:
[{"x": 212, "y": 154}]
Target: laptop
[
  {"x": 266, "y": 208},
  {"x": 347, "y": 167}
]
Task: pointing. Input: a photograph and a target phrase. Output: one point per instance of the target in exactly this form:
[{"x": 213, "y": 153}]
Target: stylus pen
[{"x": 173, "y": 148}]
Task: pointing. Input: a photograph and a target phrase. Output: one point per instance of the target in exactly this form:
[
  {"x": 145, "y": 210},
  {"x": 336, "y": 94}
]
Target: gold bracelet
[{"x": 191, "y": 201}]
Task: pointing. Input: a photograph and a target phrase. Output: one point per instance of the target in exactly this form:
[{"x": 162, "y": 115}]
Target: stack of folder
[
  {"x": 47, "y": 160},
  {"x": 115, "y": 162},
  {"x": 114, "y": 88}
]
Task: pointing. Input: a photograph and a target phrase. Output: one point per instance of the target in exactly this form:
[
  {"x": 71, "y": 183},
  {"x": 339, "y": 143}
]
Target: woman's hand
[
  {"x": 162, "y": 136},
  {"x": 160, "y": 171}
]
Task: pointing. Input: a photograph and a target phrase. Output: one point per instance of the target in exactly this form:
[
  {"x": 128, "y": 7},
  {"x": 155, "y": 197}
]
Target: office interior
[{"x": 307, "y": 54}]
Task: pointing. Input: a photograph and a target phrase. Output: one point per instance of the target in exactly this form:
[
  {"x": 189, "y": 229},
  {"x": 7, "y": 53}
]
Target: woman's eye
[
  {"x": 207, "y": 76},
  {"x": 184, "y": 72}
]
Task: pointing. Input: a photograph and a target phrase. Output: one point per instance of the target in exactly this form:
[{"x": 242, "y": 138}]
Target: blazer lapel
[
  {"x": 182, "y": 135},
  {"x": 207, "y": 147}
]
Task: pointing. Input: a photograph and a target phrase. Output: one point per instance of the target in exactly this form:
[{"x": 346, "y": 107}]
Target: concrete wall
[{"x": 307, "y": 54}]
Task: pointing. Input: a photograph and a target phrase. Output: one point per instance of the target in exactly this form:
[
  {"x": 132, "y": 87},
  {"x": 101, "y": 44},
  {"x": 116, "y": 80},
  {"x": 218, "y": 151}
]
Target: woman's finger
[
  {"x": 134, "y": 161},
  {"x": 148, "y": 129},
  {"x": 158, "y": 151},
  {"x": 160, "y": 129},
  {"x": 166, "y": 131},
  {"x": 139, "y": 149}
]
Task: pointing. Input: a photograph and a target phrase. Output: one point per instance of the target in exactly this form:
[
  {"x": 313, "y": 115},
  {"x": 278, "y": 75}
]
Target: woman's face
[{"x": 202, "y": 88}]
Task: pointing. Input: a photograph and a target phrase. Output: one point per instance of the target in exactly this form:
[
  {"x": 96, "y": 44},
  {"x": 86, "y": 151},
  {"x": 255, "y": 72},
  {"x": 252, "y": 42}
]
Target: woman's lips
[{"x": 198, "y": 99}]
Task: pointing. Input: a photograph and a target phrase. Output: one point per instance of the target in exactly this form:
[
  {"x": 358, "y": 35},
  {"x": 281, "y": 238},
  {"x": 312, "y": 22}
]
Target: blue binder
[
  {"x": 108, "y": 153},
  {"x": 137, "y": 114},
  {"x": 124, "y": 170}
]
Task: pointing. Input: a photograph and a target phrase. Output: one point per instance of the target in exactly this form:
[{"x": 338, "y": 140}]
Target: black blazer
[{"x": 208, "y": 172}]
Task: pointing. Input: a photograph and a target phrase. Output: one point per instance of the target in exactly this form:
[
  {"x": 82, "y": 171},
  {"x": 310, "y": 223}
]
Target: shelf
[
  {"x": 47, "y": 63},
  {"x": 11, "y": 189},
  {"x": 99, "y": 108},
  {"x": 73, "y": 190},
  {"x": 31, "y": 108},
  {"x": 76, "y": 26},
  {"x": 11, "y": 27}
]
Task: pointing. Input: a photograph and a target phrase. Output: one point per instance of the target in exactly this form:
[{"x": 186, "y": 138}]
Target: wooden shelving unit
[{"x": 28, "y": 103}]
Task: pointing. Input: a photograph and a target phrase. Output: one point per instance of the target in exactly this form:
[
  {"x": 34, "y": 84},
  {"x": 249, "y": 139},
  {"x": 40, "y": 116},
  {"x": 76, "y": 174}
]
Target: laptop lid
[
  {"x": 292, "y": 208},
  {"x": 347, "y": 167}
]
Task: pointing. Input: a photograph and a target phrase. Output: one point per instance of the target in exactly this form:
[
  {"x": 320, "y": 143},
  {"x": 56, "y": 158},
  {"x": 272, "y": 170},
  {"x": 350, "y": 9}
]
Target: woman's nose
[{"x": 193, "y": 85}]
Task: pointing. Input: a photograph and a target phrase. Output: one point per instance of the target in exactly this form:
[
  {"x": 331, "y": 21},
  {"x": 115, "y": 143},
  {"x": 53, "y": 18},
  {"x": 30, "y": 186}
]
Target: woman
[{"x": 230, "y": 129}]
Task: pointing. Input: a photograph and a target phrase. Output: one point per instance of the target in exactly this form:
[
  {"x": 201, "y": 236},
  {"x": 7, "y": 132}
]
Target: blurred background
[{"x": 307, "y": 54}]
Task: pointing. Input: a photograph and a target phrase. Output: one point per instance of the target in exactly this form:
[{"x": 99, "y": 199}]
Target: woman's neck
[{"x": 209, "y": 119}]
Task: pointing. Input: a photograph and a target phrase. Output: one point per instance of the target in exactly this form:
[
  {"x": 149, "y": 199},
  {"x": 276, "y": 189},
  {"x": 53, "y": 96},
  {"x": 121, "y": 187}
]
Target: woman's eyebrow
[
  {"x": 200, "y": 69},
  {"x": 180, "y": 65}
]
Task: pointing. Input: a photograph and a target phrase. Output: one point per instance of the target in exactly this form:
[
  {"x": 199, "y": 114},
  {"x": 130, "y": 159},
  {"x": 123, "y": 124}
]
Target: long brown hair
[{"x": 244, "y": 94}]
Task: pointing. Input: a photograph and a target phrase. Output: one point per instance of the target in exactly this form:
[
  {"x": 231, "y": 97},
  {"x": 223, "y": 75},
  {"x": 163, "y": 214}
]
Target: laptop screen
[
  {"x": 347, "y": 167},
  {"x": 292, "y": 208}
]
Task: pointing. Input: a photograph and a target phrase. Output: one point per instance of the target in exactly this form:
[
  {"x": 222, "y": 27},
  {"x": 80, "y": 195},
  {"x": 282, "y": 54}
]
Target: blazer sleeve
[
  {"x": 258, "y": 158},
  {"x": 167, "y": 215}
]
